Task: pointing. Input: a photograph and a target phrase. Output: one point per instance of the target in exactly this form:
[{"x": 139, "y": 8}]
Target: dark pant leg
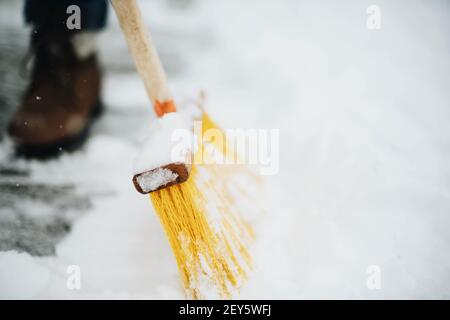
[{"x": 53, "y": 13}]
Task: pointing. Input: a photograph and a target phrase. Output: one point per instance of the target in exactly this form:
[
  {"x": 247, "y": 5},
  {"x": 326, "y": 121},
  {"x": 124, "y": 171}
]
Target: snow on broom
[{"x": 200, "y": 203}]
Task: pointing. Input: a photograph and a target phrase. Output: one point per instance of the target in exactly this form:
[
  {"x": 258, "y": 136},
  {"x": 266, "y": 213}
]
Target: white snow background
[{"x": 364, "y": 161}]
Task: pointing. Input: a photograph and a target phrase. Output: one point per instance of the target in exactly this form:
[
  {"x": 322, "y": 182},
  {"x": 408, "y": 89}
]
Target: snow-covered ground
[{"x": 364, "y": 183}]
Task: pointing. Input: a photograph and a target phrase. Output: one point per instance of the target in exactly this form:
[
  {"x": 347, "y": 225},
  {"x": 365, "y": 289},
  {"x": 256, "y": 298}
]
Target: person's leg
[
  {"x": 54, "y": 13},
  {"x": 63, "y": 95}
]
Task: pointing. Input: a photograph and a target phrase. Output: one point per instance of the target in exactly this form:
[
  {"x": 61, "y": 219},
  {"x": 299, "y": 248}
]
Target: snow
[
  {"x": 152, "y": 180},
  {"x": 169, "y": 140},
  {"x": 364, "y": 160},
  {"x": 22, "y": 276}
]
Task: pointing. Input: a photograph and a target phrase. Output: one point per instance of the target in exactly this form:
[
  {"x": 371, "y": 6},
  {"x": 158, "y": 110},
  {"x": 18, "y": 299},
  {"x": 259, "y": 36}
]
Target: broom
[{"x": 197, "y": 205}]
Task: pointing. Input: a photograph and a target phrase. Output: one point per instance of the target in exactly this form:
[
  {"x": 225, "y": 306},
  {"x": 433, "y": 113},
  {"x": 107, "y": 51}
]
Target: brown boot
[{"x": 61, "y": 100}]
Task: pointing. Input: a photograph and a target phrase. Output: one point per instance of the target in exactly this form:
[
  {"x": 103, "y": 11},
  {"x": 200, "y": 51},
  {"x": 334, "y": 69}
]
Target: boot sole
[{"x": 68, "y": 144}]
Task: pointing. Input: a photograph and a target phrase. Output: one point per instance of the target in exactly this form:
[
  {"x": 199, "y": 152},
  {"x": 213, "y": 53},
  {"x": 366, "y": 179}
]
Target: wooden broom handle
[{"x": 144, "y": 54}]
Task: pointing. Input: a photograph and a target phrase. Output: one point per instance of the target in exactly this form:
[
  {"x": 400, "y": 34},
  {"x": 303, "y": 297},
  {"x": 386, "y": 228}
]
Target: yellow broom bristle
[{"x": 206, "y": 229}]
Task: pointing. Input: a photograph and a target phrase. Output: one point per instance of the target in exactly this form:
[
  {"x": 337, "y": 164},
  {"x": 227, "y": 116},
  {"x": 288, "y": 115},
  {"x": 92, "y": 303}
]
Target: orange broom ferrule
[{"x": 161, "y": 108}]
